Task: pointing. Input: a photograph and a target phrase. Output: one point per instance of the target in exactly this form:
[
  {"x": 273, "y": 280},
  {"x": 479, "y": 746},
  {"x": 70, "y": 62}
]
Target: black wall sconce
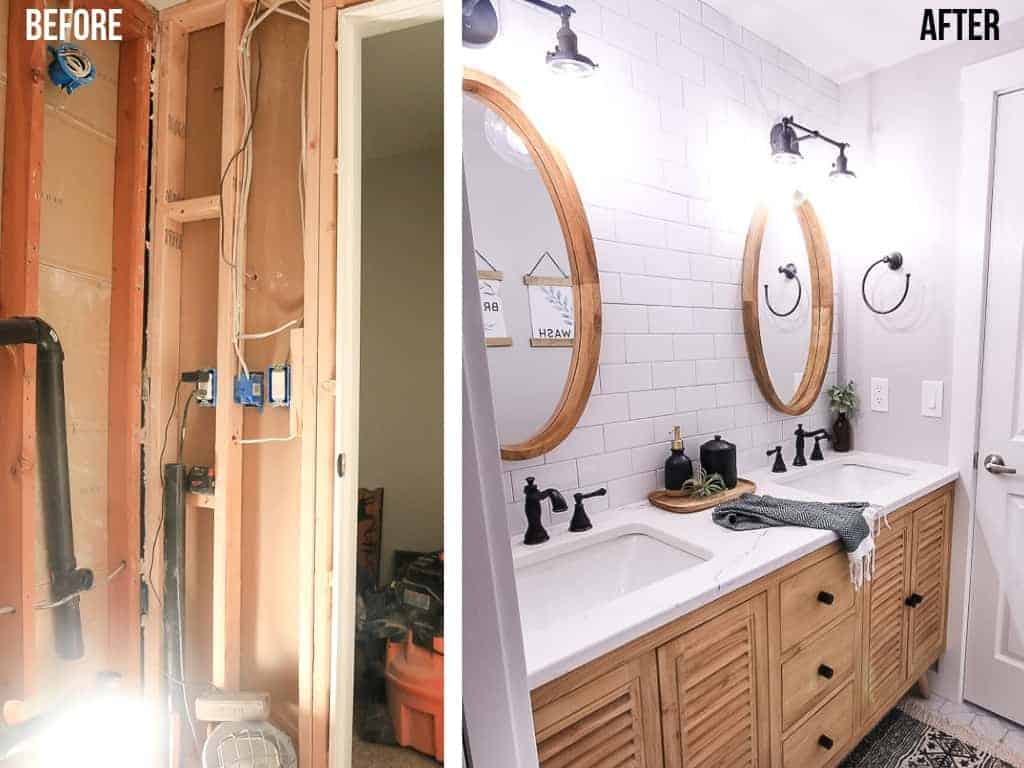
[
  {"x": 895, "y": 261},
  {"x": 786, "y": 147},
  {"x": 789, "y": 270},
  {"x": 480, "y": 27}
]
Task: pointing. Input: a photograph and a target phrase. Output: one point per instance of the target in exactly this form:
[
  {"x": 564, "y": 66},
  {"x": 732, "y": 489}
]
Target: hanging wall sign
[
  {"x": 491, "y": 307},
  {"x": 551, "y": 306}
]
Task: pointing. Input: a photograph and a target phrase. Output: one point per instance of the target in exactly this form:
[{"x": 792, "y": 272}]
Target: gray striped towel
[{"x": 851, "y": 521}]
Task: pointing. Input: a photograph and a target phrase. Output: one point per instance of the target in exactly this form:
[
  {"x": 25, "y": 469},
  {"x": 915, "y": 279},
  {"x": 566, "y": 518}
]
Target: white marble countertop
[{"x": 563, "y": 627}]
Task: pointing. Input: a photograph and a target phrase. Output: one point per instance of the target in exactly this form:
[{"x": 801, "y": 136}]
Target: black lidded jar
[
  {"x": 678, "y": 467},
  {"x": 718, "y": 456}
]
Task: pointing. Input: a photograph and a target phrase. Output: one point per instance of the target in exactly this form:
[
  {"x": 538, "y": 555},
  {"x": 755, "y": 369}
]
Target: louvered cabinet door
[
  {"x": 886, "y": 617},
  {"x": 714, "y": 692},
  {"x": 929, "y": 582},
  {"x": 608, "y": 722}
]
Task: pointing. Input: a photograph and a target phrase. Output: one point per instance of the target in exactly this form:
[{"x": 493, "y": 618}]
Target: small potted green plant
[{"x": 843, "y": 402}]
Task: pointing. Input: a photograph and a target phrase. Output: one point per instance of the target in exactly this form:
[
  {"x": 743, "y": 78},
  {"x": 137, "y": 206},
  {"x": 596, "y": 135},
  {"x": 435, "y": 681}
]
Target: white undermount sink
[
  {"x": 574, "y": 575},
  {"x": 846, "y": 480}
]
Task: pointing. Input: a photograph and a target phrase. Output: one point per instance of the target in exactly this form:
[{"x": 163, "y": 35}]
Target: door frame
[
  {"x": 980, "y": 85},
  {"x": 355, "y": 24}
]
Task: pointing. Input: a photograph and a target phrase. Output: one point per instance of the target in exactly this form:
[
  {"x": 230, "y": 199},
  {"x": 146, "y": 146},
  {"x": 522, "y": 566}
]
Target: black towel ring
[
  {"x": 895, "y": 261},
  {"x": 790, "y": 272}
]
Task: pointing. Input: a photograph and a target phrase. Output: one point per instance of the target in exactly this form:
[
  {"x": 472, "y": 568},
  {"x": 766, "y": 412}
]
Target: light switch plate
[
  {"x": 880, "y": 395},
  {"x": 931, "y": 399}
]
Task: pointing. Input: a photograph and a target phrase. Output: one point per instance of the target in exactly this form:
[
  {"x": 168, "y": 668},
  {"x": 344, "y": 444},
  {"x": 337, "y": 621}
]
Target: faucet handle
[
  {"x": 581, "y": 496},
  {"x": 779, "y": 464},
  {"x": 580, "y": 521},
  {"x": 816, "y": 454}
]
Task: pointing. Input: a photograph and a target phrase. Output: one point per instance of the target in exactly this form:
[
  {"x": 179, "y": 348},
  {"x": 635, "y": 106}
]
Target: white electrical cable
[
  {"x": 268, "y": 334},
  {"x": 243, "y": 178}
]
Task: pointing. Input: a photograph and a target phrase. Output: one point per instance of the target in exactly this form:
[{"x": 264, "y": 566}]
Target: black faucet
[
  {"x": 799, "y": 460},
  {"x": 779, "y": 465},
  {"x": 816, "y": 454},
  {"x": 535, "y": 533},
  {"x": 580, "y": 521}
]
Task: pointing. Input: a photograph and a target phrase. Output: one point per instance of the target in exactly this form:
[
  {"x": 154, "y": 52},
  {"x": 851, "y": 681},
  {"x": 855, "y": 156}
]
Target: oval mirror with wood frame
[
  {"x": 787, "y": 304},
  {"x": 535, "y": 257}
]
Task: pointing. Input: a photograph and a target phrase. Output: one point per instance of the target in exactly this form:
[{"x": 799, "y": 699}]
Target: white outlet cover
[
  {"x": 931, "y": 399},
  {"x": 880, "y": 395}
]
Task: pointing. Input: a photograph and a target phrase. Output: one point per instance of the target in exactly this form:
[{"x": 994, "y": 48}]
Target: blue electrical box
[
  {"x": 279, "y": 385},
  {"x": 249, "y": 390},
  {"x": 71, "y": 68}
]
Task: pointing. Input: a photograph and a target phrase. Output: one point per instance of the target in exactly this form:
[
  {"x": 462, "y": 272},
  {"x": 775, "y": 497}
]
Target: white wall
[
  {"x": 401, "y": 441},
  {"x": 907, "y": 120},
  {"x": 669, "y": 146}
]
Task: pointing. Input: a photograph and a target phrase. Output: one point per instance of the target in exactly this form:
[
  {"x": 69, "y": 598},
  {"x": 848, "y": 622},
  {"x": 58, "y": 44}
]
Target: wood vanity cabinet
[{"x": 788, "y": 672}]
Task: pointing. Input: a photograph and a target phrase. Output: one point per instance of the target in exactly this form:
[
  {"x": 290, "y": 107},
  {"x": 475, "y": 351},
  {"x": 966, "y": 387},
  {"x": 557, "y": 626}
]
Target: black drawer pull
[
  {"x": 826, "y": 597},
  {"x": 914, "y": 600},
  {"x": 826, "y": 671},
  {"x": 825, "y": 742}
]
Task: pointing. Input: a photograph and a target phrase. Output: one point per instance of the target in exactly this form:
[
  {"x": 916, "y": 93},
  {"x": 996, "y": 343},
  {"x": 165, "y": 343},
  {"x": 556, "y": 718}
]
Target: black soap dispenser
[{"x": 678, "y": 467}]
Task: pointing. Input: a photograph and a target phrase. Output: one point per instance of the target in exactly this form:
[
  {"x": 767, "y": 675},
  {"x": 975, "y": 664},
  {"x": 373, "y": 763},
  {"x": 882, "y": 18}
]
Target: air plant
[
  {"x": 842, "y": 398},
  {"x": 702, "y": 484}
]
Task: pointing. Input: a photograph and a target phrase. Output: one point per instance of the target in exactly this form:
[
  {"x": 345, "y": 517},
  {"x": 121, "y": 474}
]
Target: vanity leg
[{"x": 924, "y": 688}]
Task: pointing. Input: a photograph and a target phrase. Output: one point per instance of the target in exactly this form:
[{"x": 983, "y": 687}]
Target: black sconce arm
[
  {"x": 559, "y": 10},
  {"x": 809, "y": 133}
]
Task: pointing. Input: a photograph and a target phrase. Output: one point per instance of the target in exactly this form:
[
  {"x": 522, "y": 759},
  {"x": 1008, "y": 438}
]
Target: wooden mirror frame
[
  {"x": 579, "y": 244},
  {"x": 820, "y": 345}
]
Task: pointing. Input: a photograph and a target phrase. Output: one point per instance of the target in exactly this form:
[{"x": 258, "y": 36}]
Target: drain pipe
[{"x": 67, "y": 580}]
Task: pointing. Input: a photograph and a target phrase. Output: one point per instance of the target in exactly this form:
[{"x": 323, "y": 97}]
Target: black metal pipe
[
  {"x": 174, "y": 575},
  {"x": 66, "y": 579}
]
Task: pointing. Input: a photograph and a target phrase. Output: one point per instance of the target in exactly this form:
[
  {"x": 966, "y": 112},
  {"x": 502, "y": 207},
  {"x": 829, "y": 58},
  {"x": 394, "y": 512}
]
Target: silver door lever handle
[{"x": 994, "y": 463}]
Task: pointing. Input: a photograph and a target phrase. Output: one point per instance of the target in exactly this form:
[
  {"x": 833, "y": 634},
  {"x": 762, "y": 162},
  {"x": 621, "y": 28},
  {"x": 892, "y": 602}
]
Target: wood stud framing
[
  {"x": 314, "y": 370},
  {"x": 19, "y": 289},
  {"x": 19, "y": 295}
]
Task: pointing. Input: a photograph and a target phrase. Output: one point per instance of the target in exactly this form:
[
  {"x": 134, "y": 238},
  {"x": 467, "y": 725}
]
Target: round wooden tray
[{"x": 676, "y": 501}]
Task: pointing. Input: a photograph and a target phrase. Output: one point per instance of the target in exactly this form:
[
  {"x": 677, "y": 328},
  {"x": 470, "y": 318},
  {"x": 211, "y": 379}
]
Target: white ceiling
[{"x": 845, "y": 40}]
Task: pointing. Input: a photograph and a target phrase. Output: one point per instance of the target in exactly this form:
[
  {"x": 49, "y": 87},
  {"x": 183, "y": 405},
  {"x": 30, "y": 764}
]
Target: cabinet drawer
[
  {"x": 814, "y": 597},
  {"x": 825, "y": 735},
  {"x": 817, "y": 670}
]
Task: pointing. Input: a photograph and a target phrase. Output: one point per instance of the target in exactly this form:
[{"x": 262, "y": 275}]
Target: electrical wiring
[
  {"x": 243, "y": 160},
  {"x": 268, "y": 334}
]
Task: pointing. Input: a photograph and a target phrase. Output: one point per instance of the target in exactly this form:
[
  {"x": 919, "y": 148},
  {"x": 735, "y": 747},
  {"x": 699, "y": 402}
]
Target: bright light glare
[{"x": 108, "y": 731}]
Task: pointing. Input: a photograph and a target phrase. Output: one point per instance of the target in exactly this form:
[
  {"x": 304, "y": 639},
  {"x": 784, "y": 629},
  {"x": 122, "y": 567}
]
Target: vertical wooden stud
[
  {"x": 19, "y": 295},
  {"x": 227, "y": 536},
  {"x": 131, "y": 160},
  {"x": 164, "y": 318}
]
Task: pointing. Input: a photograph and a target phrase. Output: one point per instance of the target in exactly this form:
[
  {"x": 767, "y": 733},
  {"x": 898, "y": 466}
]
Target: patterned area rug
[{"x": 901, "y": 741}]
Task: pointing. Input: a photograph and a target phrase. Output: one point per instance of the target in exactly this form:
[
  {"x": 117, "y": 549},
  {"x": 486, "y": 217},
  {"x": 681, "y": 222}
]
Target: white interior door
[{"x": 994, "y": 674}]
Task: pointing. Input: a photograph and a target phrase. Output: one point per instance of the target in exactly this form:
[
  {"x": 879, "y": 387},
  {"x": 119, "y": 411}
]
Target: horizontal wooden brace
[{"x": 193, "y": 209}]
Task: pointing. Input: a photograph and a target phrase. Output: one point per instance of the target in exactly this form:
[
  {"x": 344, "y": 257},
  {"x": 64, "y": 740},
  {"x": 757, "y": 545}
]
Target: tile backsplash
[{"x": 684, "y": 98}]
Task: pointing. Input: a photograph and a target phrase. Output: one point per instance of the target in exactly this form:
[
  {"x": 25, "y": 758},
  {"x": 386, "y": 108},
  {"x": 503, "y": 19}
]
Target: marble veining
[{"x": 736, "y": 559}]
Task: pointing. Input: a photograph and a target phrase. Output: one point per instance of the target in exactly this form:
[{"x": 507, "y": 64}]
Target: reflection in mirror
[
  {"x": 785, "y": 300},
  {"x": 524, "y": 268},
  {"x": 787, "y": 304}
]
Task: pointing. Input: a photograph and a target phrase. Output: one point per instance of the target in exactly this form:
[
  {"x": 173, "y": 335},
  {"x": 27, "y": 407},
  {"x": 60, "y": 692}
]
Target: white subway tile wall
[{"x": 658, "y": 142}]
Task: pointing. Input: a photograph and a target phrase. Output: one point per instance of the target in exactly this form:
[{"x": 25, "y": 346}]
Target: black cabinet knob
[
  {"x": 825, "y": 742},
  {"x": 826, "y": 671},
  {"x": 826, "y": 597},
  {"x": 914, "y": 600}
]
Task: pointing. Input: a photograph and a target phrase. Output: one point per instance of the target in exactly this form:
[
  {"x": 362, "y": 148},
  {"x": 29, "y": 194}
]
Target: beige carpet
[{"x": 365, "y": 755}]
